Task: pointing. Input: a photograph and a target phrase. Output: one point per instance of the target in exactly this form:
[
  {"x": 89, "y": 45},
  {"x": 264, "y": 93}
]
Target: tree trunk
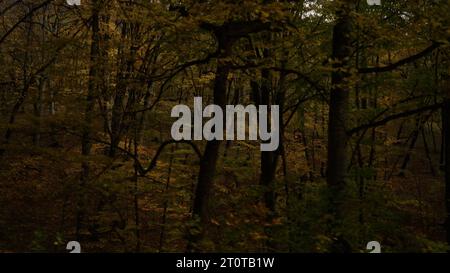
[
  {"x": 89, "y": 111},
  {"x": 446, "y": 146},
  {"x": 37, "y": 107},
  {"x": 209, "y": 159},
  {"x": 268, "y": 158},
  {"x": 27, "y": 82},
  {"x": 225, "y": 35},
  {"x": 337, "y": 136}
]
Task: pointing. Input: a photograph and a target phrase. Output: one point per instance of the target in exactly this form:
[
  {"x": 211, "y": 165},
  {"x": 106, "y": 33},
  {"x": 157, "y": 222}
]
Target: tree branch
[
  {"x": 161, "y": 148},
  {"x": 34, "y": 9},
  {"x": 399, "y": 63},
  {"x": 373, "y": 124}
]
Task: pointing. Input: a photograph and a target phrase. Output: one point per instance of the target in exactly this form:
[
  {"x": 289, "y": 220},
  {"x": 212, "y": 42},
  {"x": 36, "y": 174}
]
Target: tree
[{"x": 338, "y": 115}]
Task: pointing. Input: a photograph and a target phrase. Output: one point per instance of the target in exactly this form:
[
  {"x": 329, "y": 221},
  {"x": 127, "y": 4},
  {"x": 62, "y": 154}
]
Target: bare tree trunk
[
  {"x": 446, "y": 146},
  {"x": 136, "y": 200},
  {"x": 427, "y": 151},
  {"x": 208, "y": 163},
  {"x": 225, "y": 35},
  {"x": 268, "y": 158},
  {"x": 27, "y": 81},
  {"x": 166, "y": 201},
  {"x": 37, "y": 107},
  {"x": 89, "y": 111},
  {"x": 337, "y": 136}
]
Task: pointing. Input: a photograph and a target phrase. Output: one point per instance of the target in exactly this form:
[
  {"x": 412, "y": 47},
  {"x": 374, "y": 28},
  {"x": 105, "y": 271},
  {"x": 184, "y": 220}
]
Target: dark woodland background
[{"x": 86, "y": 152}]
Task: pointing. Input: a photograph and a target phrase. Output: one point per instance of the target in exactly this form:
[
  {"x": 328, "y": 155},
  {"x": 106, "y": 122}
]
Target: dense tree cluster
[{"x": 86, "y": 151}]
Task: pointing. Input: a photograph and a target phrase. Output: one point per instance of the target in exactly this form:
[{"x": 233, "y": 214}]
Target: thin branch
[
  {"x": 143, "y": 171},
  {"x": 399, "y": 63},
  {"x": 33, "y": 10},
  {"x": 161, "y": 148},
  {"x": 387, "y": 119}
]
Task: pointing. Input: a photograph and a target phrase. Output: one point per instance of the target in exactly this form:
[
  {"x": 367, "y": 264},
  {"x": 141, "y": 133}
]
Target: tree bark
[
  {"x": 208, "y": 163},
  {"x": 446, "y": 146},
  {"x": 89, "y": 111},
  {"x": 338, "y": 112},
  {"x": 225, "y": 36}
]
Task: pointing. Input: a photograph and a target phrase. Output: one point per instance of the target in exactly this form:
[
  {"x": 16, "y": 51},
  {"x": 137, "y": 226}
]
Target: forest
[{"x": 361, "y": 91}]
